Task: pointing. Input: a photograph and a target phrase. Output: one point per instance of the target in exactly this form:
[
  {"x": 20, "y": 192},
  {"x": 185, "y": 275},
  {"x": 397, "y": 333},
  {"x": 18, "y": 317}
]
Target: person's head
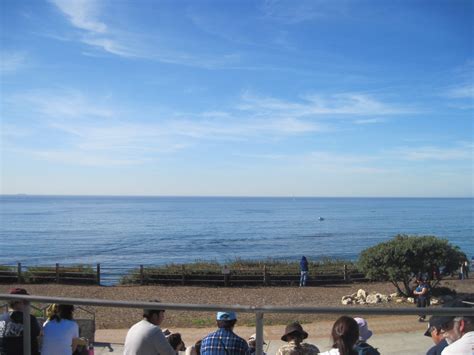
[
  {"x": 65, "y": 311},
  {"x": 345, "y": 333},
  {"x": 226, "y": 320},
  {"x": 294, "y": 332},
  {"x": 52, "y": 312},
  {"x": 434, "y": 329},
  {"x": 176, "y": 342},
  {"x": 18, "y": 305},
  {"x": 154, "y": 316},
  {"x": 455, "y": 329},
  {"x": 364, "y": 332}
]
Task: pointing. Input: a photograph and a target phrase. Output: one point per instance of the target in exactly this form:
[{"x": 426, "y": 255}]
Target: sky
[{"x": 237, "y": 98}]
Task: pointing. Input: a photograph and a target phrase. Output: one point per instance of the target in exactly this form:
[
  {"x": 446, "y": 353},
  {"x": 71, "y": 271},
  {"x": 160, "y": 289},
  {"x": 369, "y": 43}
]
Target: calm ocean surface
[{"x": 128, "y": 231}]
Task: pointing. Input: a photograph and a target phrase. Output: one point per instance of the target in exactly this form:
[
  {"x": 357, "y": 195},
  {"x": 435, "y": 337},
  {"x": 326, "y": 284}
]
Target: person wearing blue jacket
[{"x": 304, "y": 271}]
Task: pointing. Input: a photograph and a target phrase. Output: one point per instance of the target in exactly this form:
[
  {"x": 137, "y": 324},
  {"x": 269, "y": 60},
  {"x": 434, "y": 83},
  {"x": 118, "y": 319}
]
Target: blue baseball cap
[{"x": 226, "y": 316}]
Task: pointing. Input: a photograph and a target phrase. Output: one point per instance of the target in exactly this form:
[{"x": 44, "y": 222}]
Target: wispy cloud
[
  {"x": 83, "y": 14},
  {"x": 318, "y": 105},
  {"x": 12, "y": 61},
  {"x": 461, "y": 151},
  {"x": 369, "y": 121},
  {"x": 465, "y": 91},
  {"x": 294, "y": 12}
]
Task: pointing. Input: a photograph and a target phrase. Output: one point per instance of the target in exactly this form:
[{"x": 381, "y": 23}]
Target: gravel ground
[{"x": 116, "y": 318}]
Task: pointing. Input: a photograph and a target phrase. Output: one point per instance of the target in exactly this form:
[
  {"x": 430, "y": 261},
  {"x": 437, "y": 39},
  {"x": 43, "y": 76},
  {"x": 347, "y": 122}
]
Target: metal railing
[{"x": 259, "y": 311}]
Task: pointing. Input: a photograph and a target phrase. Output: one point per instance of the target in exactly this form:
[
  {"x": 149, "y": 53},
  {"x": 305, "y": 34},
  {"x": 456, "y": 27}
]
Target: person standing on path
[
  {"x": 304, "y": 271},
  {"x": 421, "y": 294}
]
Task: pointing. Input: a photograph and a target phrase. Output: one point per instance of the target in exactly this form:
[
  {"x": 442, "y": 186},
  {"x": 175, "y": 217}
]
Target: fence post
[
  {"x": 142, "y": 276},
  {"x": 19, "y": 273},
  {"x": 346, "y": 275},
  {"x": 259, "y": 333},
  {"x": 265, "y": 275},
  {"x": 183, "y": 275},
  {"x": 57, "y": 273},
  {"x": 97, "y": 275}
]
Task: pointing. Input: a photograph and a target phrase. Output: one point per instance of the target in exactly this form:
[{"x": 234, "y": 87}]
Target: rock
[
  {"x": 399, "y": 300},
  {"x": 394, "y": 295},
  {"x": 410, "y": 300},
  {"x": 434, "y": 301},
  {"x": 361, "y": 294},
  {"x": 347, "y": 301},
  {"x": 372, "y": 299},
  {"x": 345, "y": 297},
  {"x": 384, "y": 298}
]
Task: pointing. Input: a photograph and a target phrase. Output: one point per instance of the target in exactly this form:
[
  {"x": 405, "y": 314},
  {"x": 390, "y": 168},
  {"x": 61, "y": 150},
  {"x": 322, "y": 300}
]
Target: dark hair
[
  {"x": 65, "y": 311},
  {"x": 345, "y": 333},
  {"x": 226, "y": 324},
  {"x": 197, "y": 347},
  {"x": 148, "y": 313},
  {"x": 175, "y": 340},
  {"x": 296, "y": 336}
]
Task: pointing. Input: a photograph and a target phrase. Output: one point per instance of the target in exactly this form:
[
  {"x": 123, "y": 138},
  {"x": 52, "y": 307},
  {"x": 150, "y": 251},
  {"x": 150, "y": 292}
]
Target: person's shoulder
[{"x": 310, "y": 347}]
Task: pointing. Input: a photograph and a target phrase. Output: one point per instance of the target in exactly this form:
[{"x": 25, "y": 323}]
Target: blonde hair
[{"x": 52, "y": 312}]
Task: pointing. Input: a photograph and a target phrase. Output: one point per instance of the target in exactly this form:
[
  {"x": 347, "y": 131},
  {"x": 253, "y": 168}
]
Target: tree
[{"x": 404, "y": 257}]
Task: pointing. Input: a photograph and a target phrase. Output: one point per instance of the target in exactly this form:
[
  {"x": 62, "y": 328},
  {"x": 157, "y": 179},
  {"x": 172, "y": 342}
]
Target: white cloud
[
  {"x": 11, "y": 62},
  {"x": 317, "y": 105},
  {"x": 83, "y": 14},
  {"x": 465, "y": 91},
  {"x": 369, "y": 121},
  {"x": 463, "y": 151}
]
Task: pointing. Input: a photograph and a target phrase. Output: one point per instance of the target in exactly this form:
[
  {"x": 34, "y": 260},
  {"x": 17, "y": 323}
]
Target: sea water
[{"x": 129, "y": 231}]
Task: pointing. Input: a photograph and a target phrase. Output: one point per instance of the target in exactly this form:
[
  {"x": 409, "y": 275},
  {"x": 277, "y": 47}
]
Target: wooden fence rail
[{"x": 252, "y": 276}]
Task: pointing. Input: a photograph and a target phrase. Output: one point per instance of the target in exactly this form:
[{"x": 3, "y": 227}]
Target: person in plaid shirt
[{"x": 224, "y": 341}]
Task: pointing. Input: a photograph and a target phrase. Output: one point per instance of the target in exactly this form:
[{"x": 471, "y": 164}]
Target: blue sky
[{"x": 261, "y": 98}]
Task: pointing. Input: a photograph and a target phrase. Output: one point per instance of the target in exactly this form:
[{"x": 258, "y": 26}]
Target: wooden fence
[{"x": 243, "y": 276}]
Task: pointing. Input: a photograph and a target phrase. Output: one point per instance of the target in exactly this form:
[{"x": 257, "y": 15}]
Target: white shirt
[
  {"x": 145, "y": 338},
  {"x": 462, "y": 346},
  {"x": 332, "y": 351},
  {"x": 57, "y": 339}
]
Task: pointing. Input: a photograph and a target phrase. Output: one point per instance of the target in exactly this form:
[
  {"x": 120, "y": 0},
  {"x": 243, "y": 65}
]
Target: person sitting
[
  {"x": 146, "y": 337},
  {"x": 344, "y": 334},
  {"x": 458, "y": 332},
  {"x": 252, "y": 342},
  {"x": 195, "y": 349},
  {"x": 176, "y": 342},
  {"x": 294, "y": 335},
  {"x": 11, "y": 327},
  {"x": 364, "y": 334},
  {"x": 434, "y": 332},
  {"x": 60, "y": 331},
  {"x": 224, "y": 341}
]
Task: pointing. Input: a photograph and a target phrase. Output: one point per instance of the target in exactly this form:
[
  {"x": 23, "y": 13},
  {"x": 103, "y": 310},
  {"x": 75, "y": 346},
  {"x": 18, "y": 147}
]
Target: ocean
[{"x": 129, "y": 231}]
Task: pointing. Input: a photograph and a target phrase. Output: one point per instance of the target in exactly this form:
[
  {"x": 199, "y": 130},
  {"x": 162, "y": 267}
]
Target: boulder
[
  {"x": 372, "y": 299},
  {"x": 346, "y": 301},
  {"x": 361, "y": 294},
  {"x": 410, "y": 300},
  {"x": 434, "y": 301}
]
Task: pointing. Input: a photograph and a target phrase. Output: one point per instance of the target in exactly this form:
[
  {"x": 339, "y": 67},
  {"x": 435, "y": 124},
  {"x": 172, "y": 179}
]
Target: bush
[{"x": 404, "y": 257}]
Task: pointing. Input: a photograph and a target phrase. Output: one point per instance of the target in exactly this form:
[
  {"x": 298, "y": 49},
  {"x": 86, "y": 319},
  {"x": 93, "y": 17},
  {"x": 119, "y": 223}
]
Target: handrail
[{"x": 259, "y": 311}]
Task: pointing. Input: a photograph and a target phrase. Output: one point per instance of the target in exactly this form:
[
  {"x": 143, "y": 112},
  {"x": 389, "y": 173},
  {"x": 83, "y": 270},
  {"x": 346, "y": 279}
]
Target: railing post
[
  {"x": 265, "y": 275},
  {"x": 26, "y": 330},
  {"x": 57, "y": 273},
  {"x": 19, "y": 273},
  {"x": 142, "y": 276},
  {"x": 97, "y": 275},
  {"x": 259, "y": 333},
  {"x": 183, "y": 275},
  {"x": 346, "y": 275}
]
